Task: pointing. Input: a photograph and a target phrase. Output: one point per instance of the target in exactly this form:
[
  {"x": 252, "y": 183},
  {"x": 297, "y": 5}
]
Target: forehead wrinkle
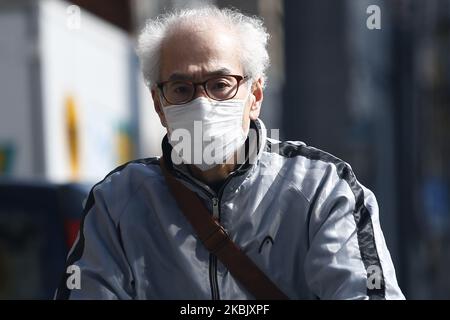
[
  {"x": 195, "y": 54},
  {"x": 205, "y": 74},
  {"x": 197, "y": 70}
]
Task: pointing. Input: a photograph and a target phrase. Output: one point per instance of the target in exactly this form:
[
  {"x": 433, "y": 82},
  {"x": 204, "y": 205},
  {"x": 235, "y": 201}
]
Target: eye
[
  {"x": 179, "y": 88},
  {"x": 220, "y": 84}
]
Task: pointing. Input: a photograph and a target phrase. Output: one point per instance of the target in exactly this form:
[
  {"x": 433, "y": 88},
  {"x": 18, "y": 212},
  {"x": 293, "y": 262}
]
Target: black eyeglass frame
[{"x": 239, "y": 79}]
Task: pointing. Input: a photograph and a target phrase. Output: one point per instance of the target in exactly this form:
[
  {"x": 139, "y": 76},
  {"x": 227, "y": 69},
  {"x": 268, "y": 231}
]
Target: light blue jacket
[{"x": 299, "y": 213}]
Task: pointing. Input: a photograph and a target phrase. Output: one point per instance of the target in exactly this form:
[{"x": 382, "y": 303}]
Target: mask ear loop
[
  {"x": 249, "y": 92},
  {"x": 161, "y": 100},
  {"x": 245, "y": 132}
]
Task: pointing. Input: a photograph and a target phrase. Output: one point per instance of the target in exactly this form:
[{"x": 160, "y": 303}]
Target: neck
[
  {"x": 214, "y": 175},
  {"x": 220, "y": 172}
]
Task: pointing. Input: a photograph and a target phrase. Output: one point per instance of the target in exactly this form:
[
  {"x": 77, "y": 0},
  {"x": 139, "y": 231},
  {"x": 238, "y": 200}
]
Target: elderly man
[{"x": 293, "y": 219}]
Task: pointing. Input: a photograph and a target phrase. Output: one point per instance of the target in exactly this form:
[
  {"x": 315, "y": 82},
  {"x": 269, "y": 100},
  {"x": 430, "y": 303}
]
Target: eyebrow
[{"x": 218, "y": 72}]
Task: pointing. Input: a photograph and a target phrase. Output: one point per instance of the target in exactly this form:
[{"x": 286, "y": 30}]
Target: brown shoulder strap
[{"x": 216, "y": 240}]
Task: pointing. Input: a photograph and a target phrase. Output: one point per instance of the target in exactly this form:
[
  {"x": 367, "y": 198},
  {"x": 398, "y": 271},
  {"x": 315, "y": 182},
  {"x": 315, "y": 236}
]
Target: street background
[{"x": 73, "y": 106}]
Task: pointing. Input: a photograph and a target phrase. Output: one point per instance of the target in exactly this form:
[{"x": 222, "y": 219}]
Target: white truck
[{"x": 72, "y": 102}]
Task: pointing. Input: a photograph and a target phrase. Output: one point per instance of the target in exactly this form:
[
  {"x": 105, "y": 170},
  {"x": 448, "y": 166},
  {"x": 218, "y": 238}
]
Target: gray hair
[{"x": 250, "y": 31}]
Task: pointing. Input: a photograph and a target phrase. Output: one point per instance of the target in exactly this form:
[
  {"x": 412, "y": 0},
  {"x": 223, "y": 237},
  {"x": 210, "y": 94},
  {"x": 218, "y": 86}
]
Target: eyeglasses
[{"x": 217, "y": 88}]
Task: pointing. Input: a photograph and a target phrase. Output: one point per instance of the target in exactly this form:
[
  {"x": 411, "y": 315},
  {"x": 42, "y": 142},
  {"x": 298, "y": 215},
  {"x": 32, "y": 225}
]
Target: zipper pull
[{"x": 215, "y": 208}]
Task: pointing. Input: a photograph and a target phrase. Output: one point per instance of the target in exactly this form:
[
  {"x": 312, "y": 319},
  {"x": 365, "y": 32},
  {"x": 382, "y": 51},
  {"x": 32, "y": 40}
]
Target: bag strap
[{"x": 216, "y": 240}]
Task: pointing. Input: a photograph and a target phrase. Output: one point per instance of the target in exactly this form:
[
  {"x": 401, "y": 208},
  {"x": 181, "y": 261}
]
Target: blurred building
[{"x": 380, "y": 100}]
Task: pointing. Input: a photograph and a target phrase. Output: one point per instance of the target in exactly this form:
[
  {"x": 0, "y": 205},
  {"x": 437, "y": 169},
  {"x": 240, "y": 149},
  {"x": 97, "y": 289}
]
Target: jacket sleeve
[
  {"x": 347, "y": 256},
  {"x": 96, "y": 266}
]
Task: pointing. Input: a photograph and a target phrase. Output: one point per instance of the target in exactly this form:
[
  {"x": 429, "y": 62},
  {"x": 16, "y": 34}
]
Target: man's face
[{"x": 199, "y": 54}]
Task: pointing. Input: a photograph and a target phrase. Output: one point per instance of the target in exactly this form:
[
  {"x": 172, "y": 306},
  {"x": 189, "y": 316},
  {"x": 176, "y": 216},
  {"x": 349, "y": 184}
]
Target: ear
[
  {"x": 257, "y": 92},
  {"x": 158, "y": 106}
]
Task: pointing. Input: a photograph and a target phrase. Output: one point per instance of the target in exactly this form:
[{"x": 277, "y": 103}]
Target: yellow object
[{"x": 72, "y": 136}]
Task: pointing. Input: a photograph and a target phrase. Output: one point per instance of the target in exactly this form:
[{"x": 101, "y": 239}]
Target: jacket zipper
[
  {"x": 215, "y": 294},
  {"x": 213, "y": 259}
]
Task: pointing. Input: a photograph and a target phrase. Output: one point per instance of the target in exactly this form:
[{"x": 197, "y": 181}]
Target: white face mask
[{"x": 205, "y": 132}]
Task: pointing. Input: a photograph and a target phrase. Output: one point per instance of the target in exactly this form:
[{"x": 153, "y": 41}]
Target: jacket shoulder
[
  {"x": 299, "y": 152},
  {"x": 299, "y": 149},
  {"x": 310, "y": 168},
  {"x": 121, "y": 184}
]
